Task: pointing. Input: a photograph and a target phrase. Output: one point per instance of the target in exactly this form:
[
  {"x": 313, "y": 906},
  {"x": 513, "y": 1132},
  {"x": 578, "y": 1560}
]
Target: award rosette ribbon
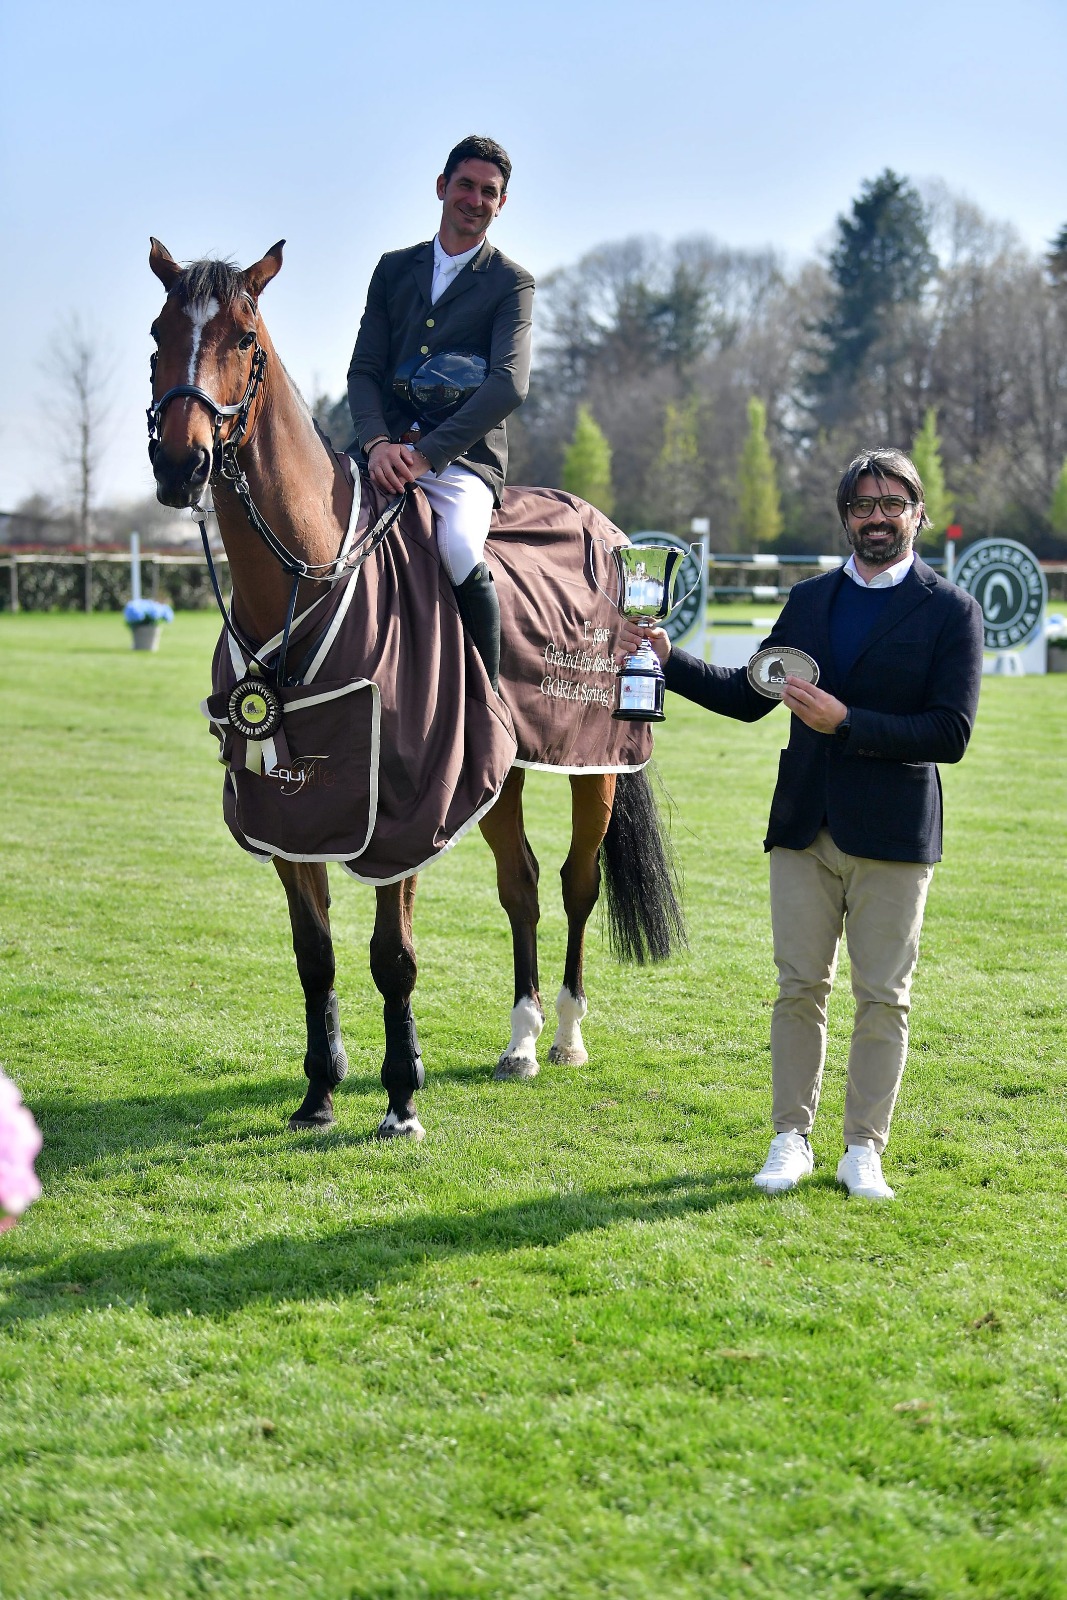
[{"x": 254, "y": 709}]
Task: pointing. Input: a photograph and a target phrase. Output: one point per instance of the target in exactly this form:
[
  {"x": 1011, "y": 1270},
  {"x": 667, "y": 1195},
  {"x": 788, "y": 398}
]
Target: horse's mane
[{"x": 209, "y": 280}]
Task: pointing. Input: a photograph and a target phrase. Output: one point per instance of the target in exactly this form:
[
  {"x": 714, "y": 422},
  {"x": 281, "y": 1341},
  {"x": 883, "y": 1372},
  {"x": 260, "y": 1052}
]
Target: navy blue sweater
[{"x": 854, "y": 612}]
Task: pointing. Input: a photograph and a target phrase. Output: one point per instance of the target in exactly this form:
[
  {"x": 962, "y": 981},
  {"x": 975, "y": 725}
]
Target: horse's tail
[{"x": 645, "y": 921}]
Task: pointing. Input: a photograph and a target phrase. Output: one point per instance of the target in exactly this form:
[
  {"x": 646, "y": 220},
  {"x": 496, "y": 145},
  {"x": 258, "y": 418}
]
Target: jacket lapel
[
  {"x": 824, "y": 599},
  {"x": 422, "y": 270},
  {"x": 464, "y": 278}
]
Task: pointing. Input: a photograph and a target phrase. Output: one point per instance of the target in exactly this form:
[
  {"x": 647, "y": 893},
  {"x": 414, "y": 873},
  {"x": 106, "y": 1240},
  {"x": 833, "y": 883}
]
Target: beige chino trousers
[{"x": 815, "y": 894}]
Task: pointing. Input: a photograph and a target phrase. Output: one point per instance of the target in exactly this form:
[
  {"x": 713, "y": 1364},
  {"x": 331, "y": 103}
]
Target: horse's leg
[
  {"x": 394, "y": 970},
  {"x": 516, "y": 881},
  {"x": 325, "y": 1062},
  {"x": 592, "y": 798}
]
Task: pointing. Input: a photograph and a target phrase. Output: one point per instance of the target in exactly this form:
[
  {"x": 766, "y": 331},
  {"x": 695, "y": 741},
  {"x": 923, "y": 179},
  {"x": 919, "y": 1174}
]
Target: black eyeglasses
[{"x": 894, "y": 505}]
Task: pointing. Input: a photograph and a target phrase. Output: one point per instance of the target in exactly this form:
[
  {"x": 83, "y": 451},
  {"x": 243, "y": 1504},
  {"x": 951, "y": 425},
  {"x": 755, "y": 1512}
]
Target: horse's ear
[
  {"x": 163, "y": 265},
  {"x": 261, "y": 272}
]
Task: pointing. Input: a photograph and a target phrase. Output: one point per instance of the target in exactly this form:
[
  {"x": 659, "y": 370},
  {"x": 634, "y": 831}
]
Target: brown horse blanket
[
  {"x": 558, "y": 633},
  {"x": 393, "y": 744}
]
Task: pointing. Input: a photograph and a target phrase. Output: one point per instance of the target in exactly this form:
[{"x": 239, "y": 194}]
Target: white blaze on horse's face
[{"x": 199, "y": 315}]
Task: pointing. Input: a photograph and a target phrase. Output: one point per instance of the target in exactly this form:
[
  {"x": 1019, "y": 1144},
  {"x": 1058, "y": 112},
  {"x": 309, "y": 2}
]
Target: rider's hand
[
  {"x": 393, "y": 466},
  {"x": 633, "y": 635}
]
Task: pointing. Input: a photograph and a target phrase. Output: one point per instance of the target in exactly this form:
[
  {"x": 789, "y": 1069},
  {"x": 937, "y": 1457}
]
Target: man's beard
[{"x": 880, "y": 555}]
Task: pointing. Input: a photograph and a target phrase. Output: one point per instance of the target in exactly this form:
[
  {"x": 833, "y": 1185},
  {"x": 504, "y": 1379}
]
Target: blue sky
[{"x": 221, "y": 130}]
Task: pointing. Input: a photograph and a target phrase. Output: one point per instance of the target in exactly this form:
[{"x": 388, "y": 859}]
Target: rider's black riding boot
[{"x": 480, "y": 610}]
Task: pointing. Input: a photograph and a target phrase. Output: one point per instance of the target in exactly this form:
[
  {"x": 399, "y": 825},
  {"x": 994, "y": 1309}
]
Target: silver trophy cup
[{"x": 646, "y": 582}]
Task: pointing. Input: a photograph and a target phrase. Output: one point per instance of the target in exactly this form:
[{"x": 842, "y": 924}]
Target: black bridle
[
  {"x": 225, "y": 465},
  {"x": 222, "y": 450}
]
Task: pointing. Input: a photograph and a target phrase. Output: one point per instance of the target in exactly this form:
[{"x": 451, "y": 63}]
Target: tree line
[{"x": 693, "y": 379}]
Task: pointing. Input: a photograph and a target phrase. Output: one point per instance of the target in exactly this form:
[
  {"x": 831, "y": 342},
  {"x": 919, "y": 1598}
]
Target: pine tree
[
  {"x": 587, "y": 463},
  {"x": 759, "y": 508},
  {"x": 926, "y": 454},
  {"x": 1057, "y": 511},
  {"x": 882, "y": 260}
]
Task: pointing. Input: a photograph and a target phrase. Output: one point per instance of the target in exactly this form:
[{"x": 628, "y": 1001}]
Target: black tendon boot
[{"x": 480, "y": 610}]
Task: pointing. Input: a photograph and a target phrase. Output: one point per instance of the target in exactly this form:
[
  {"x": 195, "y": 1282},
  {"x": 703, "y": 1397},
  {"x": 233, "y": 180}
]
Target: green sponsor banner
[{"x": 1009, "y": 585}]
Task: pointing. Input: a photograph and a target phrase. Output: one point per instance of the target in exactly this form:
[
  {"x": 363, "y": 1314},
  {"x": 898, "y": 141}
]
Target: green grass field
[{"x": 563, "y": 1348}]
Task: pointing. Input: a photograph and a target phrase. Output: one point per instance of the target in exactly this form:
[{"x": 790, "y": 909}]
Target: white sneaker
[
  {"x": 788, "y": 1160},
  {"x": 860, "y": 1170}
]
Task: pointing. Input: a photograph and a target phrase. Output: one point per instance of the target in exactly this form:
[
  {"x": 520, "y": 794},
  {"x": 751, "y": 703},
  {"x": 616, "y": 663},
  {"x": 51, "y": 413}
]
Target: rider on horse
[{"x": 441, "y": 358}]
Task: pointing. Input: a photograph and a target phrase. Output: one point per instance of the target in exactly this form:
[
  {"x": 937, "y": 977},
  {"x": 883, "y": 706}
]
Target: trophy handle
[
  {"x": 613, "y": 599},
  {"x": 697, "y": 552}
]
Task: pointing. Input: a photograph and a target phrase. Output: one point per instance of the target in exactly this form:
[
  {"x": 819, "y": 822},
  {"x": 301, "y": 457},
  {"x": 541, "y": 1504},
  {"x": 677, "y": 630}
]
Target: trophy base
[{"x": 639, "y": 716}]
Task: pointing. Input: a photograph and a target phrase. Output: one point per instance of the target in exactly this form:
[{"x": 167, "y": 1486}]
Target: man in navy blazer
[
  {"x": 856, "y": 819},
  {"x": 452, "y": 295}
]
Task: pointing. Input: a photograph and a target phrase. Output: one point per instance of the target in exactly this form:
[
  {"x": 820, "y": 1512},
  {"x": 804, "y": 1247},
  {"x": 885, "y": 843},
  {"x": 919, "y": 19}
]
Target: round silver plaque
[{"x": 768, "y": 669}]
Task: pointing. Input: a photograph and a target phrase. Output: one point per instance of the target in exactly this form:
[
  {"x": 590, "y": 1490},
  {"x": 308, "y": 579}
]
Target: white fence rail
[{"x": 183, "y": 579}]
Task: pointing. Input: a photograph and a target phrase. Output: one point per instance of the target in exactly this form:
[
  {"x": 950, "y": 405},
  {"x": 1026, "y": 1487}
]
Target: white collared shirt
[
  {"x": 445, "y": 267},
  {"x": 888, "y": 578}
]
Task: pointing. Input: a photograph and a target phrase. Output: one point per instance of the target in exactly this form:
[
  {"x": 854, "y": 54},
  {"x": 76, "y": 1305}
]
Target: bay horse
[{"x": 217, "y": 384}]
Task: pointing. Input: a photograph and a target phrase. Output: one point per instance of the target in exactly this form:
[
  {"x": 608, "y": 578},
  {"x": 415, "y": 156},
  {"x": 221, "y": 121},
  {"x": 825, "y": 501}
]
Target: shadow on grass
[
  {"x": 229, "y": 1103},
  {"x": 168, "y": 1278},
  {"x": 82, "y": 1133}
]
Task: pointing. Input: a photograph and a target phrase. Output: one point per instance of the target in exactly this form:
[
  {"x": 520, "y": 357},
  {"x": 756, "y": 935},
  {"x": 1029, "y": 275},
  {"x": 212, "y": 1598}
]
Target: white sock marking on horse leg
[
  {"x": 393, "y": 1127},
  {"x": 199, "y": 315},
  {"x": 519, "y": 1060},
  {"x": 568, "y": 1045}
]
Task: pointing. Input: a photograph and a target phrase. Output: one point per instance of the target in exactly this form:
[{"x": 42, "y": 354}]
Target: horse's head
[{"x": 207, "y": 366}]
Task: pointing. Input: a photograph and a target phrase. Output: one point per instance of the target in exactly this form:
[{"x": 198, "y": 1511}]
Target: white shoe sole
[{"x": 778, "y": 1185}]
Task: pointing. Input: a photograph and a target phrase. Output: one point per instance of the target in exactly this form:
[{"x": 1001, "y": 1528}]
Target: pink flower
[{"x": 20, "y": 1140}]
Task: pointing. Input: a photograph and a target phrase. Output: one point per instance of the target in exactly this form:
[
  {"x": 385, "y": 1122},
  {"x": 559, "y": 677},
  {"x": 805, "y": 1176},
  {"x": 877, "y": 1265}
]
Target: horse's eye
[{"x": 247, "y": 342}]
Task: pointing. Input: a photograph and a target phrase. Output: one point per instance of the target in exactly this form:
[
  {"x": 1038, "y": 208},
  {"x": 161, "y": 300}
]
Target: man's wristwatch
[{"x": 844, "y": 728}]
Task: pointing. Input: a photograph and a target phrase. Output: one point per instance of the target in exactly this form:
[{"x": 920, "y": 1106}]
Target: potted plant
[{"x": 144, "y": 618}]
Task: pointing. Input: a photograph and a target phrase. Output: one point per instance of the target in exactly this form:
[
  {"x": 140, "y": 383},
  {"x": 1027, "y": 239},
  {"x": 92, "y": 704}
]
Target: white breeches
[{"x": 462, "y": 507}]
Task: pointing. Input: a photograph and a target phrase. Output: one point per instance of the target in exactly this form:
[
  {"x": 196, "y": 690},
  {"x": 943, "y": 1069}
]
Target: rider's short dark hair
[
  {"x": 477, "y": 148},
  {"x": 884, "y": 462}
]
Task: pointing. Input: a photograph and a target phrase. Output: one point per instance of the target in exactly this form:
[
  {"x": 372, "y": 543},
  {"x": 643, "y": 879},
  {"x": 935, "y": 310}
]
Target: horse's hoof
[
  {"x": 510, "y": 1066},
  {"x": 559, "y": 1057},
  {"x": 394, "y": 1127},
  {"x": 315, "y": 1112}
]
